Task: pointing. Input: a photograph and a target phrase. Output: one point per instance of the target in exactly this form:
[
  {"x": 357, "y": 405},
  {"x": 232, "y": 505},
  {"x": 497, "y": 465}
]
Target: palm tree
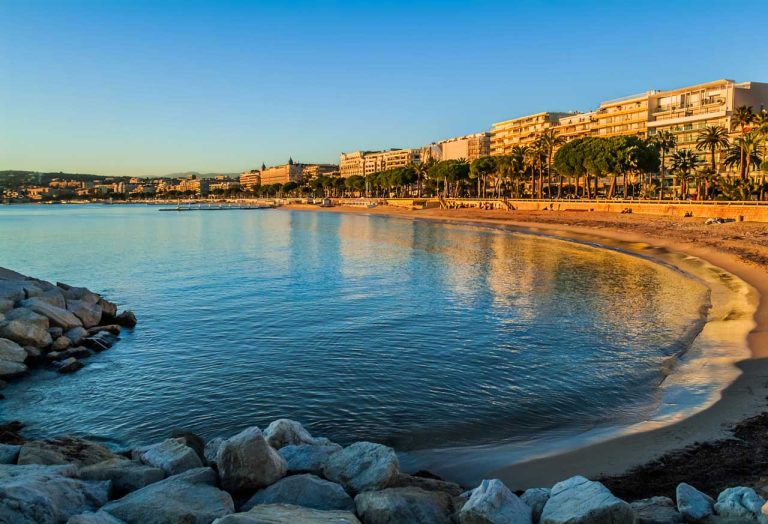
[
  {"x": 519, "y": 162},
  {"x": 742, "y": 117},
  {"x": 422, "y": 171},
  {"x": 744, "y": 153},
  {"x": 666, "y": 142},
  {"x": 684, "y": 162},
  {"x": 535, "y": 160},
  {"x": 548, "y": 140},
  {"x": 712, "y": 138}
]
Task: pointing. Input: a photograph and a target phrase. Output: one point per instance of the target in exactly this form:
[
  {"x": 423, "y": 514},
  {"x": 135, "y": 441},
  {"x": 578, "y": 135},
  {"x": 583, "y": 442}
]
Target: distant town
[{"x": 703, "y": 133}]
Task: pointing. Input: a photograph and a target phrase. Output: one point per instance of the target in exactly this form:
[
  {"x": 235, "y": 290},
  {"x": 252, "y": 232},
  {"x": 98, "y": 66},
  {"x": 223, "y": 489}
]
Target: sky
[{"x": 148, "y": 88}]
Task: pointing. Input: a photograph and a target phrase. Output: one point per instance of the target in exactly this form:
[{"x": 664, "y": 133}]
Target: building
[
  {"x": 250, "y": 179},
  {"x": 521, "y": 131},
  {"x": 576, "y": 125},
  {"x": 468, "y": 147},
  {"x": 624, "y": 116},
  {"x": 364, "y": 163},
  {"x": 686, "y": 111},
  {"x": 310, "y": 171},
  {"x": 353, "y": 164}
]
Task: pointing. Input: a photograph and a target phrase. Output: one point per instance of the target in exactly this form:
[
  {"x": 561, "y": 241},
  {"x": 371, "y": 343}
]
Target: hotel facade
[
  {"x": 683, "y": 112},
  {"x": 364, "y": 163}
]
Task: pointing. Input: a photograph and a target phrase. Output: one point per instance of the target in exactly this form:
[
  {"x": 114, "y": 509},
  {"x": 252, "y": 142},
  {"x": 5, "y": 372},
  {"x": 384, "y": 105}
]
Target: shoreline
[{"x": 745, "y": 397}]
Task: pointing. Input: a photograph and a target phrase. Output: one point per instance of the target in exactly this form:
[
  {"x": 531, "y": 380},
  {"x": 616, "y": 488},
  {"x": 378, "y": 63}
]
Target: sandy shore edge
[{"x": 745, "y": 397}]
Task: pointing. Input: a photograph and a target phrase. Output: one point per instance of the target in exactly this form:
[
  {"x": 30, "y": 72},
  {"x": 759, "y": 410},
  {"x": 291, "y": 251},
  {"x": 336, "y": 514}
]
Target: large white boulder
[
  {"x": 190, "y": 497},
  {"x": 283, "y": 432},
  {"x": 288, "y": 514},
  {"x": 57, "y": 315},
  {"x": 363, "y": 466},
  {"x": 402, "y": 505},
  {"x": 305, "y": 490},
  {"x": 493, "y": 503},
  {"x": 171, "y": 455},
  {"x": 247, "y": 462},
  {"x": 692, "y": 504},
  {"x": 46, "y": 494},
  {"x": 307, "y": 458},
  {"x": 581, "y": 501},
  {"x": 740, "y": 502}
]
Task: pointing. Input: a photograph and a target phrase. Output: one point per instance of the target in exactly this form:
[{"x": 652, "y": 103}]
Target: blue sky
[{"x": 152, "y": 87}]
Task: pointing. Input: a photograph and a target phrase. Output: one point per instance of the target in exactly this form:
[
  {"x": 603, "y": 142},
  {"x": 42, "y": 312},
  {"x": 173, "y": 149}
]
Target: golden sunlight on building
[{"x": 521, "y": 131}]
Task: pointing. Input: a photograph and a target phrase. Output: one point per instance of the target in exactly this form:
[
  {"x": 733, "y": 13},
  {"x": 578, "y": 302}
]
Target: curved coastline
[{"x": 734, "y": 374}]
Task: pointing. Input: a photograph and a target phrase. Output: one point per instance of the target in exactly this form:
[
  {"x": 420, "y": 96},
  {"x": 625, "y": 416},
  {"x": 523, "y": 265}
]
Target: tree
[
  {"x": 744, "y": 153},
  {"x": 712, "y": 139},
  {"x": 480, "y": 169},
  {"x": 684, "y": 162},
  {"x": 450, "y": 171},
  {"x": 548, "y": 141},
  {"x": 665, "y": 142},
  {"x": 742, "y": 117}
]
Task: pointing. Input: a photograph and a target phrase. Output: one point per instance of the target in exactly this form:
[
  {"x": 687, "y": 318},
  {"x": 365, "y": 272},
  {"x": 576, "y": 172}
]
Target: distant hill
[
  {"x": 198, "y": 174},
  {"x": 15, "y": 178}
]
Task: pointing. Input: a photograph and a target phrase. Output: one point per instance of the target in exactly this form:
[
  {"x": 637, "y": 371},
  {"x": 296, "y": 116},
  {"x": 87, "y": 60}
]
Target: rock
[
  {"x": 33, "y": 353},
  {"x": 70, "y": 365},
  {"x": 76, "y": 335},
  {"x": 27, "y": 315},
  {"x": 61, "y": 343},
  {"x": 363, "y": 466},
  {"x": 287, "y": 514},
  {"x": 100, "y": 341},
  {"x": 656, "y": 510},
  {"x": 12, "y": 290},
  {"x": 428, "y": 484},
  {"x": 112, "y": 329},
  {"x": 126, "y": 318},
  {"x": 88, "y": 313},
  {"x": 10, "y": 350},
  {"x": 65, "y": 450},
  {"x": 212, "y": 449},
  {"x": 247, "y": 462},
  {"x": 492, "y": 503},
  {"x": 46, "y": 494},
  {"x": 190, "y": 498},
  {"x": 78, "y": 293},
  {"x": 536, "y": 499},
  {"x": 304, "y": 490},
  {"x": 9, "y": 453},
  {"x": 307, "y": 458},
  {"x": 58, "y": 316},
  {"x": 108, "y": 309},
  {"x": 55, "y": 332},
  {"x": 54, "y": 297},
  {"x": 94, "y": 518},
  {"x": 692, "y": 504},
  {"x": 25, "y": 333},
  {"x": 126, "y": 475},
  {"x": 6, "y": 305},
  {"x": 172, "y": 456},
  {"x": 403, "y": 505},
  {"x": 740, "y": 502},
  {"x": 9, "y": 369},
  {"x": 283, "y": 432},
  {"x": 581, "y": 501},
  {"x": 191, "y": 440}
]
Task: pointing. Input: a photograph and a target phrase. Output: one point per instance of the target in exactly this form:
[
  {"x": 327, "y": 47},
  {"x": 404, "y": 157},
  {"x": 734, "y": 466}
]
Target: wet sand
[{"x": 738, "y": 248}]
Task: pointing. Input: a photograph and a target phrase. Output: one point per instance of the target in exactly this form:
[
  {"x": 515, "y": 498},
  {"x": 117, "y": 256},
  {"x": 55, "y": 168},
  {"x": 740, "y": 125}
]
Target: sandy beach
[{"x": 739, "y": 248}]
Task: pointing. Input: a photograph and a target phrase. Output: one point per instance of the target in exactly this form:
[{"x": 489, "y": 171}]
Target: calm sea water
[{"x": 409, "y": 333}]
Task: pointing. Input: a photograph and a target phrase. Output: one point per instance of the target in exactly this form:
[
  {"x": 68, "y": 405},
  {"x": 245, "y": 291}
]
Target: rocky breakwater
[
  {"x": 283, "y": 474},
  {"x": 55, "y": 325}
]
